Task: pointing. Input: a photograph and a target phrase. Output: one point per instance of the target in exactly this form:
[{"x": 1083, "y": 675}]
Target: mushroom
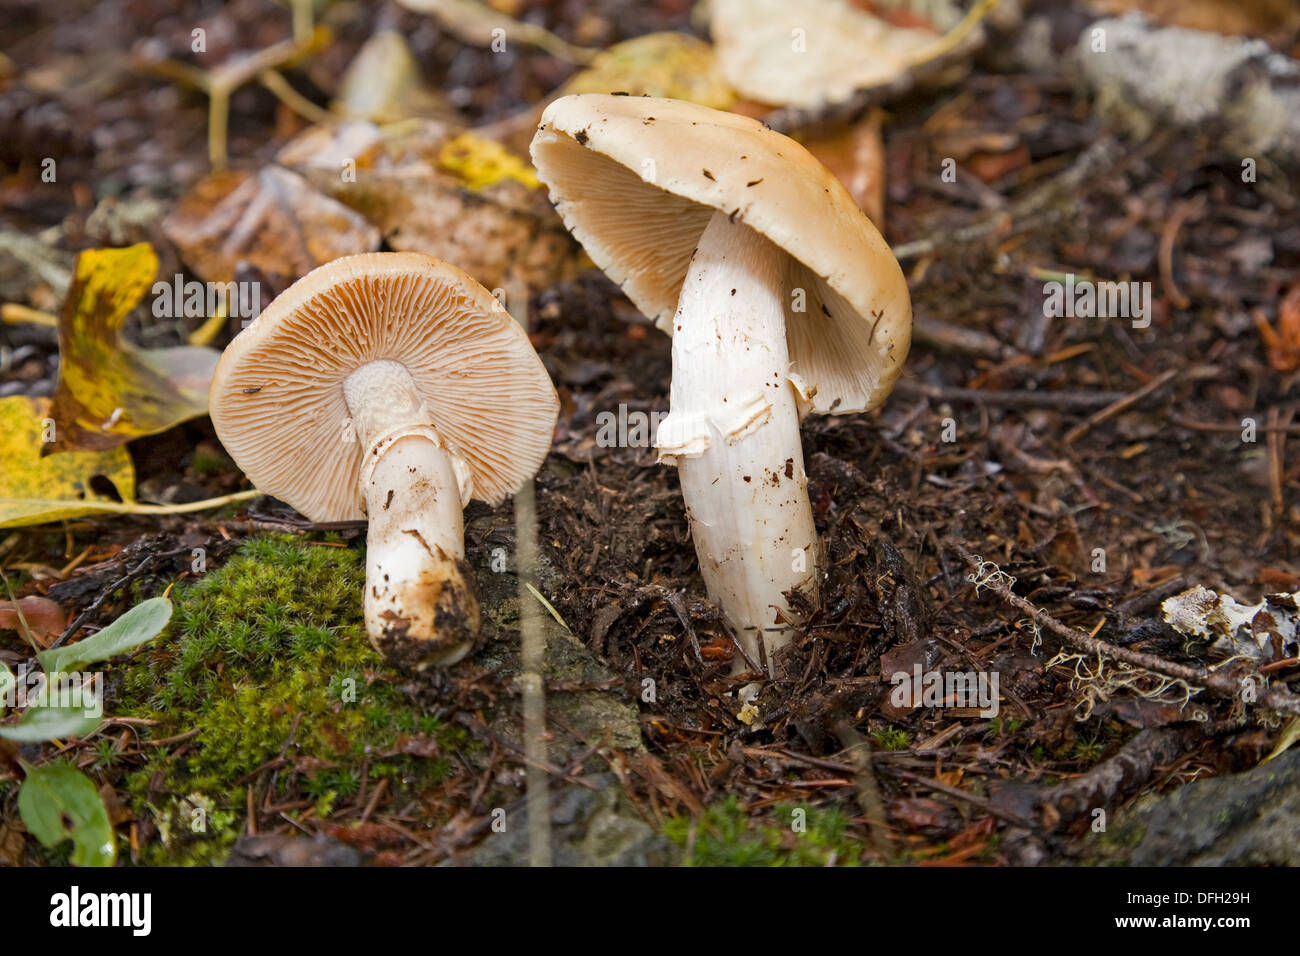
[
  {"x": 390, "y": 386},
  {"x": 781, "y": 298}
]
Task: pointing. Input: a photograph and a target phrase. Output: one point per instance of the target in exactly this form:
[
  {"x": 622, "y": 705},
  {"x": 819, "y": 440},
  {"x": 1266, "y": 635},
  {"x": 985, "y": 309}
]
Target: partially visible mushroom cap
[
  {"x": 277, "y": 396},
  {"x": 813, "y": 53},
  {"x": 636, "y": 180}
]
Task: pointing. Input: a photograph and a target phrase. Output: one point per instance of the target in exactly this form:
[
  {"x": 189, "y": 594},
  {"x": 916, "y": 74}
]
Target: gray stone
[
  {"x": 1246, "y": 819},
  {"x": 588, "y": 828}
]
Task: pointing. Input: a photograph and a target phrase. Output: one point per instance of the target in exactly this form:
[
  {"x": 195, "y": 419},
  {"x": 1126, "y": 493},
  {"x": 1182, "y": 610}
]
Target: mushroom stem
[
  {"x": 733, "y": 433},
  {"x": 420, "y": 608}
]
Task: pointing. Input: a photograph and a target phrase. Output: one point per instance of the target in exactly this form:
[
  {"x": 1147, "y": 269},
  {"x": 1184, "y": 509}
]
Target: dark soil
[{"x": 1165, "y": 490}]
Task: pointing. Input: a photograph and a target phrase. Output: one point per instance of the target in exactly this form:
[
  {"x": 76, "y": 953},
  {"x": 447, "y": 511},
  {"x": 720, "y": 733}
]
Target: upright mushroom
[
  {"x": 390, "y": 386},
  {"x": 781, "y": 298}
]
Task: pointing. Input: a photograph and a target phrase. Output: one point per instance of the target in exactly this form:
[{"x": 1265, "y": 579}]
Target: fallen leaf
[
  {"x": 479, "y": 163},
  {"x": 1282, "y": 342},
  {"x": 479, "y": 25},
  {"x": 673, "y": 65},
  {"x": 383, "y": 84},
  {"x": 506, "y": 233},
  {"x": 12, "y": 846},
  {"x": 273, "y": 220},
  {"x": 60, "y": 803},
  {"x": 42, "y": 723},
  {"x": 1290, "y": 734},
  {"x": 53, "y": 487},
  {"x": 137, "y": 626},
  {"x": 993, "y": 166},
  {"x": 43, "y": 617},
  {"x": 110, "y": 390}
]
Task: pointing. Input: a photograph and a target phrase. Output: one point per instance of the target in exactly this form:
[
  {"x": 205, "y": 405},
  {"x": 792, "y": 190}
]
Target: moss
[
  {"x": 205, "y": 464},
  {"x": 267, "y": 656},
  {"x": 727, "y": 836},
  {"x": 1088, "y": 751},
  {"x": 893, "y": 739}
]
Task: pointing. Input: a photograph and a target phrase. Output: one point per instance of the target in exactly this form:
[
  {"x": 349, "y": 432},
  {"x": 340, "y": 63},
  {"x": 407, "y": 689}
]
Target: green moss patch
[
  {"x": 786, "y": 835},
  {"x": 266, "y": 662}
]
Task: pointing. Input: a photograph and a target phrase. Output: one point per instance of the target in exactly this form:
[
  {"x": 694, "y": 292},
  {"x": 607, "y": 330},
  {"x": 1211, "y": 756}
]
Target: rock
[
  {"x": 276, "y": 849},
  {"x": 588, "y": 828},
  {"x": 582, "y": 693},
  {"x": 1247, "y": 819}
]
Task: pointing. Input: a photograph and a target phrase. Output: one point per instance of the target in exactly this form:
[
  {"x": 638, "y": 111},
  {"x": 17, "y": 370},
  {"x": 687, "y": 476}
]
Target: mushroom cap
[
  {"x": 636, "y": 180},
  {"x": 277, "y": 396},
  {"x": 846, "y": 50}
]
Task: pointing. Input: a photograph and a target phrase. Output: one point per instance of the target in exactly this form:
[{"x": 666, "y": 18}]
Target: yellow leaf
[
  {"x": 675, "y": 65},
  {"x": 52, "y": 487},
  {"x": 110, "y": 390},
  {"x": 480, "y": 163}
]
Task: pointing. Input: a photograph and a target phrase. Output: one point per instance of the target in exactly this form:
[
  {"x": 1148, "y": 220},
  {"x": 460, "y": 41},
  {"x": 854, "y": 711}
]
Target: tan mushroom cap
[
  {"x": 277, "y": 395},
  {"x": 636, "y": 180}
]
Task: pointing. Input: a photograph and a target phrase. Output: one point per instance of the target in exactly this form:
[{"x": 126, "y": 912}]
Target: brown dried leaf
[
  {"x": 383, "y": 84},
  {"x": 45, "y": 618},
  {"x": 273, "y": 219},
  {"x": 506, "y": 233}
]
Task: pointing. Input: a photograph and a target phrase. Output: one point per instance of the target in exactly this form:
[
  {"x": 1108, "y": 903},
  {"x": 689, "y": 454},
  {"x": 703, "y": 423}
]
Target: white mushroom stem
[
  {"x": 419, "y": 607},
  {"x": 733, "y": 433}
]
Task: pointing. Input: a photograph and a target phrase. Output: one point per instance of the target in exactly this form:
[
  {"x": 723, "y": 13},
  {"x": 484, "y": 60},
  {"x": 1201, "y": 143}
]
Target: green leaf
[
  {"x": 7, "y": 683},
  {"x": 52, "y": 723},
  {"x": 137, "y": 626},
  {"x": 59, "y": 803}
]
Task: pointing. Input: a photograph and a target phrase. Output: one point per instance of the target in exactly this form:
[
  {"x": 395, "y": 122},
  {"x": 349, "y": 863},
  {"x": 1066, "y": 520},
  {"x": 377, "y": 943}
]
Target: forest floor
[{"x": 1102, "y": 465}]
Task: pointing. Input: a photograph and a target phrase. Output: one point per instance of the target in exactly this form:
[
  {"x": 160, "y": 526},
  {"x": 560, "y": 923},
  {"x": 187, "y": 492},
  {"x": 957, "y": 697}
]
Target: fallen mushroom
[
  {"x": 781, "y": 298},
  {"x": 390, "y": 386},
  {"x": 817, "y": 54}
]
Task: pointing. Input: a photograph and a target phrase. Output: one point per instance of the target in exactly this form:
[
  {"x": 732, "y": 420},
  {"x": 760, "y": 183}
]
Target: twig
[
  {"x": 286, "y": 94},
  {"x": 858, "y": 749},
  {"x": 1123, "y": 404},
  {"x": 113, "y": 588},
  {"x": 1197, "y": 426},
  {"x": 957, "y": 338},
  {"x": 956, "y": 792},
  {"x": 134, "y": 507},
  {"x": 13, "y": 314},
  {"x": 1022, "y": 399},
  {"x": 1024, "y": 213},
  {"x": 1168, "y": 236},
  {"x": 1274, "y": 698}
]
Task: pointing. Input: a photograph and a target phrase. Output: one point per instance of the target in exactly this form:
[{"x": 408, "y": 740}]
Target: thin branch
[{"x": 1274, "y": 698}]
